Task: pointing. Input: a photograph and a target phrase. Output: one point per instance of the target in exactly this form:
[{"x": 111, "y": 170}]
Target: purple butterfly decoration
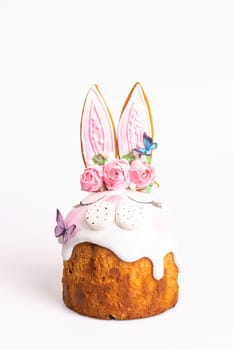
[
  {"x": 149, "y": 145},
  {"x": 61, "y": 230}
]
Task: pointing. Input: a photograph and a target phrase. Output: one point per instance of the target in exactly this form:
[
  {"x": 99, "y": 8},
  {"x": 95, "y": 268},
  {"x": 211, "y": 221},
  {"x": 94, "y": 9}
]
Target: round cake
[{"x": 119, "y": 248}]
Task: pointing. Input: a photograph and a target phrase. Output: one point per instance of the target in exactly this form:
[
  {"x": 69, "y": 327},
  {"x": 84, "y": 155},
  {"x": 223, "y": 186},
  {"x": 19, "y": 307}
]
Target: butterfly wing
[
  {"x": 141, "y": 151},
  {"x": 68, "y": 233},
  {"x": 147, "y": 140},
  {"x": 149, "y": 144},
  {"x": 59, "y": 219},
  {"x": 153, "y": 146},
  {"x": 59, "y": 229}
]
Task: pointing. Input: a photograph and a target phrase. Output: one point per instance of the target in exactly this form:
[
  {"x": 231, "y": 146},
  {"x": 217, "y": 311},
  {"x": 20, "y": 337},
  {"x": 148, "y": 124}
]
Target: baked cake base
[{"x": 98, "y": 284}]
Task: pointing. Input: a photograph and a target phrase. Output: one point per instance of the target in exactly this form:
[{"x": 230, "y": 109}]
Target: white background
[{"x": 51, "y": 52}]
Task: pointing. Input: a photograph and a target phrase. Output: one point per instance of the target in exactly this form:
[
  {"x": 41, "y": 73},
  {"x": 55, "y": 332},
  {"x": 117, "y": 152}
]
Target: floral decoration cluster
[{"x": 104, "y": 172}]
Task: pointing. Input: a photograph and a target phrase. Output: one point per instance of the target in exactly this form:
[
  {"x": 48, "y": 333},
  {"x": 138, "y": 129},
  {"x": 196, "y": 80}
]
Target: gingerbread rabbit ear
[
  {"x": 135, "y": 120},
  {"x": 97, "y": 129}
]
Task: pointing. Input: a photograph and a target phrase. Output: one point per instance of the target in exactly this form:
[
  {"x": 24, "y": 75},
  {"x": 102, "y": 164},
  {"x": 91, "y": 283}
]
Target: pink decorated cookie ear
[
  {"x": 97, "y": 129},
  {"x": 135, "y": 119}
]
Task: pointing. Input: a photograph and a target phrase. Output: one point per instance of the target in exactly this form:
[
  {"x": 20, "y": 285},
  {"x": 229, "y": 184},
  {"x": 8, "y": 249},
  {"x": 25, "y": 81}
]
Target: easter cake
[{"x": 120, "y": 251}]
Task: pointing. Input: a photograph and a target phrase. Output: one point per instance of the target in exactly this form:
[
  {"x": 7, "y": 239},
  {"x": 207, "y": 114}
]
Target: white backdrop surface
[{"x": 51, "y": 52}]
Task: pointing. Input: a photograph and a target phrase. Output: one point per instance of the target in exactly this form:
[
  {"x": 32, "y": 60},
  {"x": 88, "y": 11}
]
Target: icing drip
[{"x": 154, "y": 239}]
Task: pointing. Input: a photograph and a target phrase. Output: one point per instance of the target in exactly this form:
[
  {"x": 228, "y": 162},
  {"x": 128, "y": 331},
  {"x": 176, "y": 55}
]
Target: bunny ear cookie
[
  {"x": 97, "y": 129},
  {"x": 135, "y": 121}
]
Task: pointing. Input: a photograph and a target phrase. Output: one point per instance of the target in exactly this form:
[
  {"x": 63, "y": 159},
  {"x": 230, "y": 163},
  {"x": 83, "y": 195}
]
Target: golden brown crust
[{"x": 97, "y": 283}]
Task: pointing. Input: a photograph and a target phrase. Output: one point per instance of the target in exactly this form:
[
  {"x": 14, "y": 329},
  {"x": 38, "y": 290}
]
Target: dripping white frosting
[{"x": 156, "y": 237}]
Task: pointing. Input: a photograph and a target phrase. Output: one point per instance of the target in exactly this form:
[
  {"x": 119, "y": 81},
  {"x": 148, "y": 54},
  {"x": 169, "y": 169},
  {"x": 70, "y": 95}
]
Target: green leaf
[
  {"x": 99, "y": 159},
  {"x": 129, "y": 156},
  {"x": 149, "y": 188}
]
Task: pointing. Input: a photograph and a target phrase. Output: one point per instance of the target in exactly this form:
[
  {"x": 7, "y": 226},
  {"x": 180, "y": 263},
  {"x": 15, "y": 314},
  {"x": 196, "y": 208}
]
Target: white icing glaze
[{"x": 153, "y": 240}]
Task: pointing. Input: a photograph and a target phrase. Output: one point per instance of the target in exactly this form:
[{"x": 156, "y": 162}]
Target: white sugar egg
[
  {"x": 129, "y": 216},
  {"x": 100, "y": 215}
]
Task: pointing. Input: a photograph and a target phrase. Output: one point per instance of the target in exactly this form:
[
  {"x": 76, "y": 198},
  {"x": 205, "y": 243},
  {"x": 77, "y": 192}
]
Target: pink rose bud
[
  {"x": 116, "y": 174},
  {"x": 141, "y": 173},
  {"x": 92, "y": 178}
]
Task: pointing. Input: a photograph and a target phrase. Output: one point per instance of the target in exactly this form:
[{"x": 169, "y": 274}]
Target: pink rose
[
  {"x": 141, "y": 173},
  {"x": 116, "y": 174},
  {"x": 92, "y": 178}
]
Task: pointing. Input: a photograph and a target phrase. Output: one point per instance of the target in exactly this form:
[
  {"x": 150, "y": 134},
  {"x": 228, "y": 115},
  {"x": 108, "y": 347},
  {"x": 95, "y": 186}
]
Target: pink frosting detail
[
  {"x": 116, "y": 200},
  {"x": 95, "y": 131},
  {"x": 97, "y": 134},
  {"x": 133, "y": 122},
  {"x": 141, "y": 173},
  {"x": 75, "y": 217},
  {"x": 116, "y": 174},
  {"x": 134, "y": 129},
  {"x": 92, "y": 178}
]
